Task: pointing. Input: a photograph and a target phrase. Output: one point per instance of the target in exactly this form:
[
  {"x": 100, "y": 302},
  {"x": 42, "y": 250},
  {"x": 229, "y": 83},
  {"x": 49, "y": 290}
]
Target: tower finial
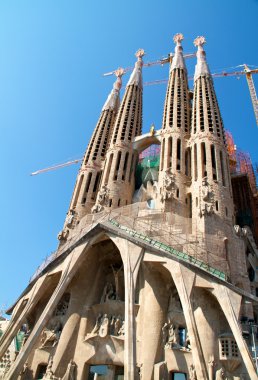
[
  {"x": 118, "y": 83},
  {"x": 178, "y": 59},
  {"x": 201, "y": 67},
  {"x": 178, "y": 38},
  {"x": 139, "y": 54},
  {"x": 199, "y": 41}
]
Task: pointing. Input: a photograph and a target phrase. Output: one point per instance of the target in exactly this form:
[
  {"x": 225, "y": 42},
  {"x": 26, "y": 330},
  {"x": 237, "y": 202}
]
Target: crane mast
[{"x": 253, "y": 95}]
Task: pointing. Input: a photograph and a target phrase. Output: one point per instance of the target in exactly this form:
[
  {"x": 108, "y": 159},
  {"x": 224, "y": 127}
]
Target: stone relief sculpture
[
  {"x": 116, "y": 277},
  {"x": 63, "y": 235},
  {"x": 108, "y": 293},
  {"x": 51, "y": 335},
  {"x": 69, "y": 218},
  {"x": 206, "y": 201},
  {"x": 70, "y": 373},
  {"x": 169, "y": 186},
  {"x": 102, "y": 200},
  {"x": 192, "y": 373},
  {"x": 221, "y": 374},
  {"x": 105, "y": 325}
]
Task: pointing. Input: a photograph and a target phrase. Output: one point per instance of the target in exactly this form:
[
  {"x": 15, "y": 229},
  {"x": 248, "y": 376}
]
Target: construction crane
[{"x": 247, "y": 72}]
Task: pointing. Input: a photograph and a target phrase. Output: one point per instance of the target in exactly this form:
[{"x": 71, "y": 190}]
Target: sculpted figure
[
  {"x": 122, "y": 329},
  {"x": 97, "y": 208},
  {"x": 51, "y": 336},
  {"x": 104, "y": 327},
  {"x": 70, "y": 372},
  {"x": 117, "y": 325},
  {"x": 69, "y": 218},
  {"x": 206, "y": 207},
  {"x": 97, "y": 324},
  {"x": 221, "y": 374},
  {"x": 103, "y": 195},
  {"x": 192, "y": 373},
  {"x": 169, "y": 186},
  {"x": 108, "y": 293},
  {"x": 116, "y": 276},
  {"x": 164, "y": 331}
]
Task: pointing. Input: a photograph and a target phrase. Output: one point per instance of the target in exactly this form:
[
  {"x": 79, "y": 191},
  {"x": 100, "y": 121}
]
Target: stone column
[
  {"x": 184, "y": 279},
  {"x": 230, "y": 303},
  {"x": 73, "y": 262},
  {"x": 131, "y": 255},
  {"x": 19, "y": 314}
]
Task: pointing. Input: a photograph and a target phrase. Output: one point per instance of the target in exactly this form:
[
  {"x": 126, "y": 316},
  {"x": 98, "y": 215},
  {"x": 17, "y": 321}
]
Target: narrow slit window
[{"x": 213, "y": 163}]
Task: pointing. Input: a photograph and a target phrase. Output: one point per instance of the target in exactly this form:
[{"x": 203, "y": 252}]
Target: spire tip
[
  {"x": 199, "y": 41},
  {"x": 140, "y": 53},
  {"x": 178, "y": 38}
]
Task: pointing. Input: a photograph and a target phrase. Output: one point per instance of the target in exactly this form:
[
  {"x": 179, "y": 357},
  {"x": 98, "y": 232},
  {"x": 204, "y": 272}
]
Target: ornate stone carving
[
  {"x": 192, "y": 373},
  {"x": 69, "y": 218},
  {"x": 106, "y": 325},
  {"x": 178, "y": 37},
  {"x": 221, "y": 374},
  {"x": 50, "y": 336},
  {"x": 70, "y": 373},
  {"x": 108, "y": 293},
  {"x": 169, "y": 186},
  {"x": 199, "y": 41},
  {"x": 116, "y": 277},
  {"x": 63, "y": 235},
  {"x": 102, "y": 200},
  {"x": 206, "y": 201}
]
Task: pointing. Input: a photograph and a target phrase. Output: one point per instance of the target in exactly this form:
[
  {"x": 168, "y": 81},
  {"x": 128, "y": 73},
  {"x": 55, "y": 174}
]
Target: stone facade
[{"x": 154, "y": 282}]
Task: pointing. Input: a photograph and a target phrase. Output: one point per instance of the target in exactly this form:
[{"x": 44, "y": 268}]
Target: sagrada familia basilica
[{"x": 153, "y": 278}]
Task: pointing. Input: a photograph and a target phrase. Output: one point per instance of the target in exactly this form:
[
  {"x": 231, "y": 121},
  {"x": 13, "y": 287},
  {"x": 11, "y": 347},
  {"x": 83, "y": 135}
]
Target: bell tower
[
  {"x": 117, "y": 185},
  {"x": 89, "y": 176},
  {"x": 175, "y": 159},
  {"x": 211, "y": 185}
]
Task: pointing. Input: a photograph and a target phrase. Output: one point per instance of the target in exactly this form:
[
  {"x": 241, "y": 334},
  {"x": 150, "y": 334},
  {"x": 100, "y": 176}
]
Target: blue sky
[{"x": 52, "y": 57}]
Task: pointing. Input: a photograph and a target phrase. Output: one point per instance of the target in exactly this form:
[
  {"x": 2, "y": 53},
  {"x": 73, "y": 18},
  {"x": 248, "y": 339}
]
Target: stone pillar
[
  {"x": 73, "y": 262},
  {"x": 184, "y": 279},
  {"x": 230, "y": 303},
  {"x": 131, "y": 255}
]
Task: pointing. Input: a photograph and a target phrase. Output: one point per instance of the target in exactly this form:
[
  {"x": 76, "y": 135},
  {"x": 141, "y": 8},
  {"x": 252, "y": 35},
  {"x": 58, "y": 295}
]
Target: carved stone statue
[
  {"x": 192, "y": 373},
  {"x": 117, "y": 325},
  {"x": 70, "y": 373},
  {"x": 69, "y": 218},
  {"x": 108, "y": 293},
  {"x": 63, "y": 235},
  {"x": 97, "y": 324},
  {"x": 49, "y": 375},
  {"x": 102, "y": 200},
  {"x": 104, "y": 327},
  {"x": 97, "y": 208},
  {"x": 164, "y": 331},
  {"x": 50, "y": 336},
  {"x": 206, "y": 206},
  {"x": 221, "y": 374},
  {"x": 122, "y": 329},
  {"x": 116, "y": 276},
  {"x": 187, "y": 344},
  {"x": 173, "y": 336},
  {"x": 169, "y": 186},
  {"x": 103, "y": 195}
]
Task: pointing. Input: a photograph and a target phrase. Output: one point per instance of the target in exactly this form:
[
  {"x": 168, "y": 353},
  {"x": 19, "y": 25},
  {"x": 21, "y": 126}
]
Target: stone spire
[
  {"x": 201, "y": 68},
  {"x": 211, "y": 185},
  {"x": 178, "y": 59},
  {"x": 87, "y": 183},
  {"x": 174, "y": 160},
  {"x": 118, "y": 178},
  {"x": 177, "y": 104}
]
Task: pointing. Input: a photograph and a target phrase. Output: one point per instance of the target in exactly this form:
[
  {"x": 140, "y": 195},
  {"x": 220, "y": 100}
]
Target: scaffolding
[{"x": 159, "y": 229}]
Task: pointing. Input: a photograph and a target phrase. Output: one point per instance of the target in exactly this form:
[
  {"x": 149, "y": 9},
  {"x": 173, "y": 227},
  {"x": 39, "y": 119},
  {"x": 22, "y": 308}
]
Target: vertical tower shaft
[
  {"x": 88, "y": 180},
  {"x": 211, "y": 186},
  {"x": 174, "y": 168},
  {"x": 118, "y": 176}
]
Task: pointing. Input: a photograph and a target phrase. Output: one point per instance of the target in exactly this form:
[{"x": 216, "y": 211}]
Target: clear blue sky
[{"x": 52, "y": 55}]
